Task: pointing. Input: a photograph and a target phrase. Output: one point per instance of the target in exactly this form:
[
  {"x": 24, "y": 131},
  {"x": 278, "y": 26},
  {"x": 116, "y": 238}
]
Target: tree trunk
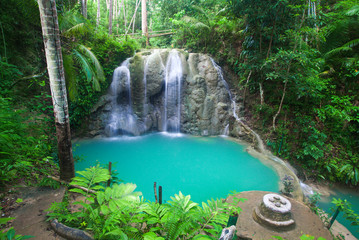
[
  {"x": 133, "y": 17},
  {"x": 144, "y": 21},
  {"x": 110, "y": 18},
  {"x": 51, "y": 36},
  {"x": 98, "y": 14},
  {"x": 261, "y": 93},
  {"x": 84, "y": 8},
  {"x": 245, "y": 87},
  {"x": 124, "y": 15}
]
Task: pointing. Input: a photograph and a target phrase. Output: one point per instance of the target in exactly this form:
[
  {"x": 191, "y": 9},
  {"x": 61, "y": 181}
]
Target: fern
[{"x": 91, "y": 179}]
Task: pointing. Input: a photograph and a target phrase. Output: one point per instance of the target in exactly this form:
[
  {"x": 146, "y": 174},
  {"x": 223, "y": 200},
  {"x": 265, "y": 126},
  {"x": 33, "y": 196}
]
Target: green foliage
[
  {"x": 49, "y": 182},
  {"x": 10, "y": 234},
  {"x": 90, "y": 179},
  {"x": 8, "y": 73},
  {"x": 346, "y": 208},
  {"x": 110, "y": 53},
  {"x": 24, "y": 147},
  {"x": 20, "y": 34},
  {"x": 117, "y": 212}
]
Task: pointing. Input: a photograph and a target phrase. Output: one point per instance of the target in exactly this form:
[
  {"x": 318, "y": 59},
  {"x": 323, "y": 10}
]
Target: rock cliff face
[{"x": 165, "y": 90}]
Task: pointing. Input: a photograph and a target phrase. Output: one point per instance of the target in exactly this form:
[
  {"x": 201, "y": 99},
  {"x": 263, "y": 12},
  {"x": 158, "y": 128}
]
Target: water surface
[{"x": 203, "y": 167}]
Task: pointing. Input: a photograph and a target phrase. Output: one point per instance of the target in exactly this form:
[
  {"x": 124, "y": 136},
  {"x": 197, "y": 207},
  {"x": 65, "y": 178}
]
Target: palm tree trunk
[{"x": 51, "y": 36}]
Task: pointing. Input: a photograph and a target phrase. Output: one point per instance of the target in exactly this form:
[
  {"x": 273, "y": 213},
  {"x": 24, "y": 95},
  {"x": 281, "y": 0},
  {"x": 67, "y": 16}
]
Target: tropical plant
[
  {"x": 118, "y": 212},
  {"x": 24, "y": 147},
  {"x": 10, "y": 234},
  {"x": 346, "y": 207}
]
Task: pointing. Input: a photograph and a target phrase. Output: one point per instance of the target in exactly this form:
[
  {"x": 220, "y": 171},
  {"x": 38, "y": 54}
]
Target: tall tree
[
  {"x": 84, "y": 8},
  {"x": 110, "y": 18},
  {"x": 98, "y": 14},
  {"x": 51, "y": 37},
  {"x": 144, "y": 21}
]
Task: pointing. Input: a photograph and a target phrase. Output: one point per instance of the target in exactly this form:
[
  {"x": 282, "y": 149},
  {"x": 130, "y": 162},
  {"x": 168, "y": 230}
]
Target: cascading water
[
  {"x": 145, "y": 104},
  {"x": 122, "y": 119},
  {"x": 220, "y": 75},
  {"x": 152, "y": 90},
  {"x": 234, "y": 109},
  {"x": 172, "y": 98}
]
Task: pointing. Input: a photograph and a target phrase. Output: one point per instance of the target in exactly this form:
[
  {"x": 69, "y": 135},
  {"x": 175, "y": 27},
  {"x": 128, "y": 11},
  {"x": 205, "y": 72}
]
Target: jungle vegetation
[{"x": 295, "y": 63}]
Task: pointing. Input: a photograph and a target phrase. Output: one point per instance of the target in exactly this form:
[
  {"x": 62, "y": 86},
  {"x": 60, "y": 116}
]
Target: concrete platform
[{"x": 306, "y": 222}]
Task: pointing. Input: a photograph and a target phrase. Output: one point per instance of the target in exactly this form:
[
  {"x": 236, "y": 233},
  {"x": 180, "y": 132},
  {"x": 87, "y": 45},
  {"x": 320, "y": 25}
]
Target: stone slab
[{"x": 306, "y": 222}]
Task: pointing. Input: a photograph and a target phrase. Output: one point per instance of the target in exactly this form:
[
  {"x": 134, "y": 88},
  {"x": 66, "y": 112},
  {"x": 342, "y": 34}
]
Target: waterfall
[
  {"x": 122, "y": 120},
  {"x": 172, "y": 99},
  {"x": 234, "y": 108},
  {"x": 233, "y": 102},
  {"x": 145, "y": 105}
]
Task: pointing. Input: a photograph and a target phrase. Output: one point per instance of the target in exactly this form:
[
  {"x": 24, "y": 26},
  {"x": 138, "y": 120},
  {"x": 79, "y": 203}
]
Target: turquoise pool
[{"x": 203, "y": 167}]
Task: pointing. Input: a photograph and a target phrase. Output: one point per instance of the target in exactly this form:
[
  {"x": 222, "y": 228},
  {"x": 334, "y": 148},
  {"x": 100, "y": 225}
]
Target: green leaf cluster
[{"x": 119, "y": 212}]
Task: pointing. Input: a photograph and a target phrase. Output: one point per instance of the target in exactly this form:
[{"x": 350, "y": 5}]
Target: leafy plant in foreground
[
  {"x": 117, "y": 212},
  {"x": 10, "y": 234},
  {"x": 346, "y": 208}
]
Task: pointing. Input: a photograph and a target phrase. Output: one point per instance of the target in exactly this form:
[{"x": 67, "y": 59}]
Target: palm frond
[
  {"x": 70, "y": 19},
  {"x": 82, "y": 61},
  {"x": 76, "y": 31},
  {"x": 352, "y": 43},
  {"x": 195, "y": 23},
  {"x": 336, "y": 51},
  {"x": 354, "y": 11},
  {"x": 99, "y": 70},
  {"x": 337, "y": 35},
  {"x": 200, "y": 10},
  {"x": 92, "y": 68},
  {"x": 70, "y": 76}
]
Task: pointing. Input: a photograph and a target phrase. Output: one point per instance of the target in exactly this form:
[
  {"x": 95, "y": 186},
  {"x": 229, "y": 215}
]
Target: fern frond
[
  {"x": 91, "y": 177},
  {"x": 126, "y": 192}
]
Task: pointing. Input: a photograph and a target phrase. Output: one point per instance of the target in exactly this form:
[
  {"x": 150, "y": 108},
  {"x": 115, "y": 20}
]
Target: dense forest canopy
[{"x": 296, "y": 65}]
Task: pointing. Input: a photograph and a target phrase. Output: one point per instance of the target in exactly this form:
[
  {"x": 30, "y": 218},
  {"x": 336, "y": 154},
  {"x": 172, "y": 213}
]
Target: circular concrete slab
[{"x": 306, "y": 222}]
